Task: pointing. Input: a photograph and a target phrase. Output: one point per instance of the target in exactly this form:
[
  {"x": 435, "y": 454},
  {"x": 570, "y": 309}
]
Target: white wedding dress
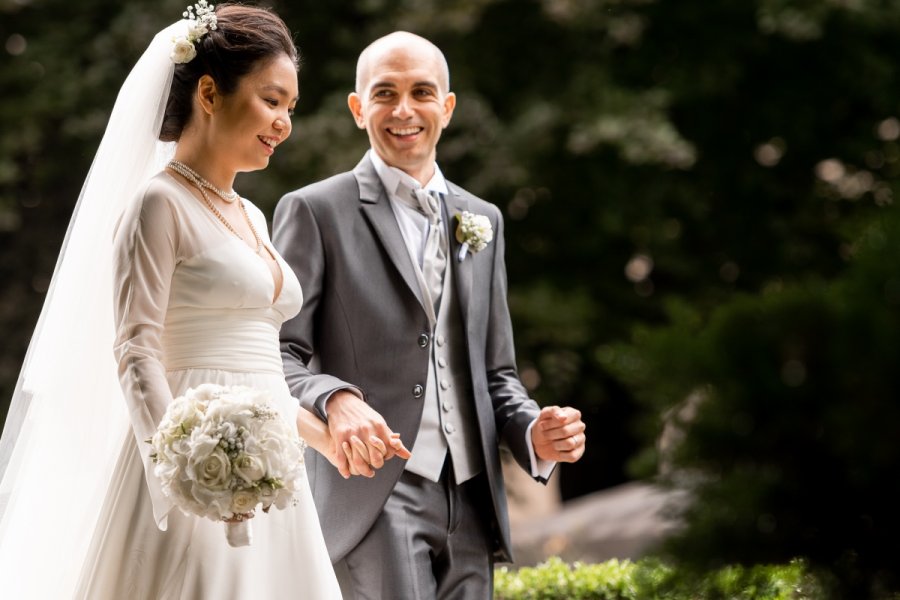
[{"x": 194, "y": 304}]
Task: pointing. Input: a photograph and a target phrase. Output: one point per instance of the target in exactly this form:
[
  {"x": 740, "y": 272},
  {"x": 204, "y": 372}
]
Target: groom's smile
[{"x": 407, "y": 133}]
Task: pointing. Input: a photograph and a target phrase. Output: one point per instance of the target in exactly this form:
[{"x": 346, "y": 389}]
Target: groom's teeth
[
  {"x": 406, "y": 131},
  {"x": 268, "y": 142}
]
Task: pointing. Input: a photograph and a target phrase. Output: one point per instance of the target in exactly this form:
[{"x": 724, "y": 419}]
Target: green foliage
[
  {"x": 611, "y": 580},
  {"x": 649, "y": 579},
  {"x": 787, "y": 440}
]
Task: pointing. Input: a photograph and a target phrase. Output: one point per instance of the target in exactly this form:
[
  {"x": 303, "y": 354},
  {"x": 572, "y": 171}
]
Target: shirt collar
[{"x": 393, "y": 178}]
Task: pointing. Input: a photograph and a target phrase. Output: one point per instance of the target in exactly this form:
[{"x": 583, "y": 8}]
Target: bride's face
[{"x": 250, "y": 123}]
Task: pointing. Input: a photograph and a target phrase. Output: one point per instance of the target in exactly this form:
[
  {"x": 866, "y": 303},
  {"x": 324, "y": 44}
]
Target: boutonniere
[{"x": 474, "y": 232}]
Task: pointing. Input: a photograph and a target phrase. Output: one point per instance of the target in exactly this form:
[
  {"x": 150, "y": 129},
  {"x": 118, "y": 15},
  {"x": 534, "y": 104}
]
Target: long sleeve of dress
[{"x": 145, "y": 255}]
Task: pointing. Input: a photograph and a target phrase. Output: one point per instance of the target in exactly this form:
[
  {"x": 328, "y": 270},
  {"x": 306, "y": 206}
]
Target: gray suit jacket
[{"x": 361, "y": 325}]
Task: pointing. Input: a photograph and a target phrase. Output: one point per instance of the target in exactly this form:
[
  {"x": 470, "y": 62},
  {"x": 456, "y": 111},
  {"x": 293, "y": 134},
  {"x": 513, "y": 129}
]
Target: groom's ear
[
  {"x": 354, "y": 102},
  {"x": 207, "y": 93}
]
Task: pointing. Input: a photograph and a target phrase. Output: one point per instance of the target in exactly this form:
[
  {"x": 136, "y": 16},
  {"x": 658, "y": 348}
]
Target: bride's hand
[{"x": 372, "y": 456}]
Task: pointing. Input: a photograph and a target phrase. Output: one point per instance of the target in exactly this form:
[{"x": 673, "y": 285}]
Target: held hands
[
  {"x": 558, "y": 434},
  {"x": 361, "y": 439},
  {"x": 362, "y": 460},
  {"x": 347, "y": 455}
]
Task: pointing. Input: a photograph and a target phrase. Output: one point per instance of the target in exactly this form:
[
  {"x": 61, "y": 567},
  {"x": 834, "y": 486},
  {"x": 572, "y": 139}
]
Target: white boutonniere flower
[{"x": 474, "y": 232}]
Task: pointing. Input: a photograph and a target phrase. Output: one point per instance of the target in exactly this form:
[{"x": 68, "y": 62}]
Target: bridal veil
[{"x": 68, "y": 417}]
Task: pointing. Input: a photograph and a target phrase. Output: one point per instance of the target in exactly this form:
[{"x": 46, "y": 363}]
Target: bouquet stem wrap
[{"x": 239, "y": 534}]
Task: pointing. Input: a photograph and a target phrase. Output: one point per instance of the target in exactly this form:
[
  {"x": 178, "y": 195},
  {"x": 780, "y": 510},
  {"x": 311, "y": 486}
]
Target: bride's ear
[{"x": 207, "y": 94}]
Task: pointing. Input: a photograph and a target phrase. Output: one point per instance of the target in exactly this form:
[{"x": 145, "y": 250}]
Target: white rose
[
  {"x": 183, "y": 51},
  {"x": 212, "y": 470},
  {"x": 250, "y": 468},
  {"x": 243, "y": 501}
]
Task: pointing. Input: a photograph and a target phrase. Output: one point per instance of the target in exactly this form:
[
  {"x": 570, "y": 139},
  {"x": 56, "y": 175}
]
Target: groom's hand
[
  {"x": 361, "y": 436},
  {"x": 558, "y": 434}
]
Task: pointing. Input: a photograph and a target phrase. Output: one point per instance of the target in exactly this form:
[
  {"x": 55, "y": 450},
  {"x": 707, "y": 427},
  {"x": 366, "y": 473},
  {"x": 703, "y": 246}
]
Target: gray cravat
[{"x": 434, "y": 259}]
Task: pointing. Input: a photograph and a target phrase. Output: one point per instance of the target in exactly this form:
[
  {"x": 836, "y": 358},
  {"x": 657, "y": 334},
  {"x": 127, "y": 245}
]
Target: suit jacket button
[
  {"x": 423, "y": 340},
  {"x": 418, "y": 390}
]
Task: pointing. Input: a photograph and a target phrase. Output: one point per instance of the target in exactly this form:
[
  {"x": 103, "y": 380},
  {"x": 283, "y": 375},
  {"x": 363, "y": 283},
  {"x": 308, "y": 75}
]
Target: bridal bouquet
[{"x": 221, "y": 451}]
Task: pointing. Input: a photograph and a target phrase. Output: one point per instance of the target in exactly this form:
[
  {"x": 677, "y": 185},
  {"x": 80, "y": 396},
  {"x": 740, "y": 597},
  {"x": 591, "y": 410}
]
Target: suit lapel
[
  {"x": 377, "y": 209},
  {"x": 454, "y": 204}
]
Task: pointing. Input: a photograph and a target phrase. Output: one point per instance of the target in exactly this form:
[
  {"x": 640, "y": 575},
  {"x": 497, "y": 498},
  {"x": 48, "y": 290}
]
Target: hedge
[{"x": 649, "y": 579}]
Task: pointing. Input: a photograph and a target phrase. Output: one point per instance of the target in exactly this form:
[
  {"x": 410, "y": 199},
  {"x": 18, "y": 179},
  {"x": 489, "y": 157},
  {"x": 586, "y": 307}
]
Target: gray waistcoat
[{"x": 448, "y": 418}]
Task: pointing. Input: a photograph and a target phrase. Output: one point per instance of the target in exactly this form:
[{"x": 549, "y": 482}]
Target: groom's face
[{"x": 404, "y": 106}]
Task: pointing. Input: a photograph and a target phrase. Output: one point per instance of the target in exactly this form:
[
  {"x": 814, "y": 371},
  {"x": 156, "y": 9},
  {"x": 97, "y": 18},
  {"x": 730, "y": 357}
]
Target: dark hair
[{"x": 245, "y": 37}]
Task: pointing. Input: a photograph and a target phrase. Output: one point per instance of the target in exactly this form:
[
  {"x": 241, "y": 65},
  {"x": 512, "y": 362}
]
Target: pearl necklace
[{"x": 196, "y": 178}]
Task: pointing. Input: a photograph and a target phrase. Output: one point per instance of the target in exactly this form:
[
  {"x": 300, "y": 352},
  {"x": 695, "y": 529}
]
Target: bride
[{"x": 190, "y": 292}]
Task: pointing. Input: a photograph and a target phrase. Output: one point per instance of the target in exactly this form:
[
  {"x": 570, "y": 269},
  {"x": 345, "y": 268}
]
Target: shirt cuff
[
  {"x": 539, "y": 467},
  {"x": 322, "y": 401}
]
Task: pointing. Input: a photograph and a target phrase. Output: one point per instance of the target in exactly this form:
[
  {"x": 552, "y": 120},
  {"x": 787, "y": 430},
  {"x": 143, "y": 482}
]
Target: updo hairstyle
[{"x": 244, "y": 39}]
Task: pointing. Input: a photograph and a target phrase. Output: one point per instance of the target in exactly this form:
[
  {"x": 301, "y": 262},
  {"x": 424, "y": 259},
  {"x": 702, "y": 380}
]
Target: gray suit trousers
[{"x": 431, "y": 542}]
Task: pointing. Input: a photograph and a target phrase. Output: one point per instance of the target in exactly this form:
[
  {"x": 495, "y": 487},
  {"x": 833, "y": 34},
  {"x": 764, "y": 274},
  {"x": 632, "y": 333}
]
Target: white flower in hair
[
  {"x": 183, "y": 51},
  {"x": 201, "y": 20}
]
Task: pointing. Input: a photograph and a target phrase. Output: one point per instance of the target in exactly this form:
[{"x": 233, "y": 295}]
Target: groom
[{"x": 405, "y": 328}]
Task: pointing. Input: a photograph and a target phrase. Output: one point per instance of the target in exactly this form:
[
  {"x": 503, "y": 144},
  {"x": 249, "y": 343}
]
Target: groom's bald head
[{"x": 406, "y": 43}]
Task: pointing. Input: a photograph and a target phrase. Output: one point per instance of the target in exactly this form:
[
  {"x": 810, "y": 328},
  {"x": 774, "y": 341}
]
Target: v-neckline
[{"x": 277, "y": 290}]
